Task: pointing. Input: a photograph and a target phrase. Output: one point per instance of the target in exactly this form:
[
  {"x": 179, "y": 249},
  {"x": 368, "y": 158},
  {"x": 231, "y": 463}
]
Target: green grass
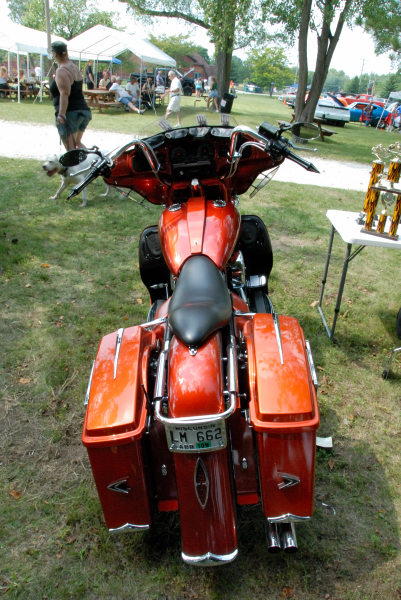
[
  {"x": 69, "y": 276},
  {"x": 352, "y": 143}
]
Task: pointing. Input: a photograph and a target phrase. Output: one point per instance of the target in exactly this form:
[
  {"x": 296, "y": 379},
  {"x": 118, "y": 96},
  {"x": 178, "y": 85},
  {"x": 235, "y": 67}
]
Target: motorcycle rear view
[{"x": 210, "y": 404}]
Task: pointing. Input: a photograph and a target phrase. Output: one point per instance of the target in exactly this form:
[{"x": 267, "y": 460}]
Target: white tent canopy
[
  {"x": 104, "y": 43},
  {"x": 19, "y": 39},
  {"x": 23, "y": 40}
]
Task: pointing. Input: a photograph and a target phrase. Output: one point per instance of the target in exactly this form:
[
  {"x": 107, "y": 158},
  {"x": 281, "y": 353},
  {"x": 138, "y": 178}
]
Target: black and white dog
[{"x": 70, "y": 175}]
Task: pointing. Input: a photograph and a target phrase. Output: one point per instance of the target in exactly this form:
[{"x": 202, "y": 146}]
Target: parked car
[
  {"x": 357, "y": 111},
  {"x": 332, "y": 111},
  {"x": 252, "y": 87}
]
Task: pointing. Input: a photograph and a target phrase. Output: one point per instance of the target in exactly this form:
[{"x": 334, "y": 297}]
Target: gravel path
[{"x": 27, "y": 140}]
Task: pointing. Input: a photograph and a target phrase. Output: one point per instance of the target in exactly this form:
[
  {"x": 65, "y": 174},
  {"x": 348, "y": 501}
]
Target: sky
[{"x": 354, "y": 52}]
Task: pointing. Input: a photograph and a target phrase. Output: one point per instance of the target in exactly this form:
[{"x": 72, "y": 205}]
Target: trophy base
[
  {"x": 360, "y": 220},
  {"x": 382, "y": 235}
]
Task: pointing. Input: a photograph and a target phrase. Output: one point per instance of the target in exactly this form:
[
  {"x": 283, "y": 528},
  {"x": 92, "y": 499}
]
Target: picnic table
[
  {"x": 323, "y": 131},
  {"x": 101, "y": 99}
]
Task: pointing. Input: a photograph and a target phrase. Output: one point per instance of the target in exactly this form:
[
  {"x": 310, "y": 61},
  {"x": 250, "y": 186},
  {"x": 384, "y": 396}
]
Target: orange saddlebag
[
  {"x": 284, "y": 414},
  {"x": 114, "y": 425}
]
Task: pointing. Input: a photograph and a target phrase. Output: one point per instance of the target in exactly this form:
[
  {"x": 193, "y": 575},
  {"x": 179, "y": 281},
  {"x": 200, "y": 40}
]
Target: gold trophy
[{"x": 387, "y": 186}]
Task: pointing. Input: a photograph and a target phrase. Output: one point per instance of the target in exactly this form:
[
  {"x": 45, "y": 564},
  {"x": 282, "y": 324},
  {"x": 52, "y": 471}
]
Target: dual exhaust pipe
[{"x": 281, "y": 536}]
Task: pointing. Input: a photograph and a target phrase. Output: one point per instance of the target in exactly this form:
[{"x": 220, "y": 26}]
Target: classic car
[{"x": 357, "y": 112}]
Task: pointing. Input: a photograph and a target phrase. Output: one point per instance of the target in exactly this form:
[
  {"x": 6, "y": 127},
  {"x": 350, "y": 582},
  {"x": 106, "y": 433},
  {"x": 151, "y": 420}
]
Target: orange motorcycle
[{"x": 211, "y": 403}]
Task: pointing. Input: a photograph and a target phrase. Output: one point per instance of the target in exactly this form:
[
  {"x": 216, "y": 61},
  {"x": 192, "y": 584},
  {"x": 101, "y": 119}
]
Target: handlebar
[{"x": 101, "y": 168}]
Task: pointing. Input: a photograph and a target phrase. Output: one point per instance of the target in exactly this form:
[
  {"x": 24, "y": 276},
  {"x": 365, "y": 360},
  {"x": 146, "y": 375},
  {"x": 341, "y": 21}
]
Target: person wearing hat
[{"x": 72, "y": 112}]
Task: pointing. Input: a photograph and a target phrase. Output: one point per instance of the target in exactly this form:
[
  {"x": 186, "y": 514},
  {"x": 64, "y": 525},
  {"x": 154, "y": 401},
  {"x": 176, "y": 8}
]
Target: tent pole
[
  {"x": 19, "y": 90},
  {"x": 140, "y": 86},
  {"x": 41, "y": 77}
]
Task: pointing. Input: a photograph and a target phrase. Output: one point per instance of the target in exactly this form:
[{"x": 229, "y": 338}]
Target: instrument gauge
[
  {"x": 206, "y": 151},
  {"x": 178, "y": 154}
]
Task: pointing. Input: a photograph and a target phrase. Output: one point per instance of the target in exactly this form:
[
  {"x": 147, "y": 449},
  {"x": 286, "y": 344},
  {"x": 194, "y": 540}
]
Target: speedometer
[
  {"x": 178, "y": 154},
  {"x": 206, "y": 151}
]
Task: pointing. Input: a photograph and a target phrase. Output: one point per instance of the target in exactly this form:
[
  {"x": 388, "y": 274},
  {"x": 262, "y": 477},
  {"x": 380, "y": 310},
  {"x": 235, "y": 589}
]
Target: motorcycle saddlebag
[
  {"x": 114, "y": 425},
  {"x": 284, "y": 414}
]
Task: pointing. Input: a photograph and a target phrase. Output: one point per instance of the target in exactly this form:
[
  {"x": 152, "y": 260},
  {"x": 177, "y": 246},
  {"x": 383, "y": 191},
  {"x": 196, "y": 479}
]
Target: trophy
[{"x": 385, "y": 186}]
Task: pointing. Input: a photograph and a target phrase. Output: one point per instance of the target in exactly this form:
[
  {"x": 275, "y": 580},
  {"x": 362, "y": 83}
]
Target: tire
[
  {"x": 374, "y": 123},
  {"x": 340, "y": 123},
  {"x": 187, "y": 91}
]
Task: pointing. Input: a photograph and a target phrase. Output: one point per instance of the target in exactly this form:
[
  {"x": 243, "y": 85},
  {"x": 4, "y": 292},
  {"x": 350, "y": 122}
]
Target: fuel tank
[{"x": 199, "y": 227}]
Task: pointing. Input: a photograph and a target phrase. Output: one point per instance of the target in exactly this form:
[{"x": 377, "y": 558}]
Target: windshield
[{"x": 201, "y": 121}]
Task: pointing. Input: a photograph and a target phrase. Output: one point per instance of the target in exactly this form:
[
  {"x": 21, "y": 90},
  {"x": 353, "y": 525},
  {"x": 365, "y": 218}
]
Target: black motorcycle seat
[{"x": 200, "y": 303}]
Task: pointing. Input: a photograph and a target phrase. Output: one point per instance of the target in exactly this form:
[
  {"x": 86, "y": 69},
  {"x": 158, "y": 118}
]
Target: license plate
[{"x": 204, "y": 437}]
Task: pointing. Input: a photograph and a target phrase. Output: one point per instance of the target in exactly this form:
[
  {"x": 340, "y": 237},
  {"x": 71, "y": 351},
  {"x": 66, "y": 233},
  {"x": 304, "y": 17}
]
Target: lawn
[
  {"x": 69, "y": 276},
  {"x": 352, "y": 143}
]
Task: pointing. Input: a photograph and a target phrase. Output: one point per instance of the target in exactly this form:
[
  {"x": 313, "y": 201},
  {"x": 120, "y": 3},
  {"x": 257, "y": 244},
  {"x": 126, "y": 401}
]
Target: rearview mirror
[
  {"x": 305, "y": 131},
  {"x": 73, "y": 157}
]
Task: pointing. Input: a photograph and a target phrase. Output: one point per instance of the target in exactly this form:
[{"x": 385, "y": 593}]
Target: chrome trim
[
  {"x": 289, "y": 480},
  {"x": 276, "y": 322},
  {"x": 240, "y": 313},
  {"x": 201, "y": 465},
  {"x": 174, "y": 207},
  {"x": 209, "y": 559},
  {"x": 120, "y": 334},
  {"x": 161, "y": 376},
  {"x": 219, "y": 203},
  {"x": 195, "y": 420},
  {"x": 256, "y": 282},
  {"x": 311, "y": 364},
  {"x": 272, "y": 538},
  {"x": 232, "y": 374},
  {"x": 233, "y": 156},
  {"x": 153, "y": 323},
  {"x": 129, "y": 527},
  {"x": 288, "y": 538},
  {"x": 116, "y": 486},
  {"x": 244, "y": 463},
  {"x": 147, "y": 150},
  {"x": 288, "y": 518},
  {"x": 88, "y": 389}
]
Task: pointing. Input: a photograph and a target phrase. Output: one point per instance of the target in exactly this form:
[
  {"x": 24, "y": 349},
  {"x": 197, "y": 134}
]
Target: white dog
[{"x": 69, "y": 174}]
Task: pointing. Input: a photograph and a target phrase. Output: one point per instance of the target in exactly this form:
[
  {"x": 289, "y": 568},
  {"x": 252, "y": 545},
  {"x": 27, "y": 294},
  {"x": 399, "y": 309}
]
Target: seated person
[
  {"x": 124, "y": 97},
  {"x": 132, "y": 88},
  {"x": 23, "y": 83},
  {"x": 4, "y": 79},
  {"x": 105, "y": 83},
  {"x": 148, "y": 90}
]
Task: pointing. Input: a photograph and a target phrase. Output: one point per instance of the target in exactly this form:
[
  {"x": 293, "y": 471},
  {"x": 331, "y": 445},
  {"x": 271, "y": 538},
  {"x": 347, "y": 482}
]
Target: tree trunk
[
  {"x": 223, "y": 68},
  {"x": 327, "y": 42}
]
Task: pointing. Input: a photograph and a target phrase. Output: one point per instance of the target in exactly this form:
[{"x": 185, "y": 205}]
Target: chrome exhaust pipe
[
  {"x": 288, "y": 538},
  {"x": 272, "y": 538}
]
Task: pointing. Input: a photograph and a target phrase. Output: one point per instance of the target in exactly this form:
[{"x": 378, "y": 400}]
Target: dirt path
[{"x": 20, "y": 140}]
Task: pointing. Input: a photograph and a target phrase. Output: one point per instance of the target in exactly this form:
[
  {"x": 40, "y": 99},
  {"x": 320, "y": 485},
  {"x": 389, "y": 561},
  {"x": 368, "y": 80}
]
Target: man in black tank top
[{"x": 72, "y": 112}]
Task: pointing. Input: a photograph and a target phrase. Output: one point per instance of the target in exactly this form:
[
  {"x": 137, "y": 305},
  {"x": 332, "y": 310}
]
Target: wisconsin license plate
[{"x": 205, "y": 437}]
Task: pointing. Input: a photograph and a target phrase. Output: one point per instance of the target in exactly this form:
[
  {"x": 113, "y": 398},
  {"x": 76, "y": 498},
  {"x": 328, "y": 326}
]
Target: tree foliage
[
  {"x": 385, "y": 26},
  {"x": 239, "y": 70},
  {"x": 326, "y": 19},
  {"x": 269, "y": 66},
  {"x": 230, "y": 24},
  {"x": 335, "y": 80},
  {"x": 67, "y": 19},
  {"x": 178, "y": 47}
]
